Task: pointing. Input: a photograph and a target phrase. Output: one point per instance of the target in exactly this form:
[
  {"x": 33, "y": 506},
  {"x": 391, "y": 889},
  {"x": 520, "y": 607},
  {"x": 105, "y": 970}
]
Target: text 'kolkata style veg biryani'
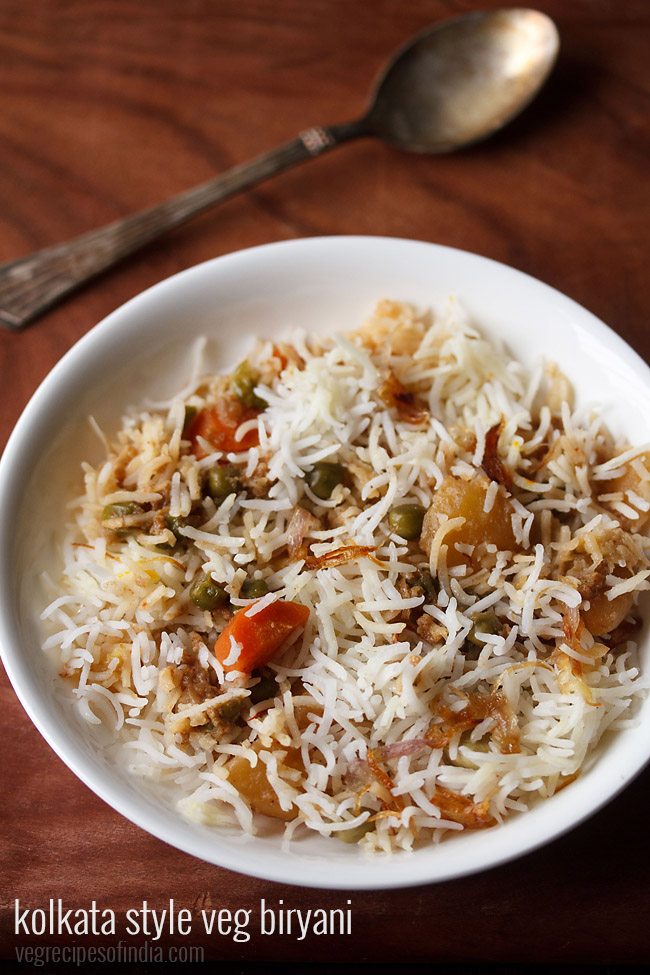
[{"x": 379, "y": 586}]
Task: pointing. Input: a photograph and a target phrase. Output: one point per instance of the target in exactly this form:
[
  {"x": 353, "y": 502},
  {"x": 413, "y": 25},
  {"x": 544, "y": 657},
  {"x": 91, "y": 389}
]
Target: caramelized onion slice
[
  {"x": 339, "y": 556},
  {"x": 492, "y": 463},
  {"x": 462, "y": 809},
  {"x": 478, "y": 707},
  {"x": 400, "y": 399},
  {"x": 302, "y": 522}
]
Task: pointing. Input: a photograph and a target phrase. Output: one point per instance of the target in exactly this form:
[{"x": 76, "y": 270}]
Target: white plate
[{"x": 323, "y": 284}]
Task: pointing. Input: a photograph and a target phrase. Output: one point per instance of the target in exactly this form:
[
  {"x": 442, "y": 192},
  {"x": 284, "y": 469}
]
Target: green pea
[
  {"x": 483, "y": 623},
  {"x": 406, "y": 520},
  {"x": 207, "y": 594},
  {"x": 253, "y": 589},
  {"x": 324, "y": 477},
  {"x": 175, "y": 524},
  {"x": 267, "y": 687},
  {"x": 356, "y": 833},
  {"x": 231, "y": 710},
  {"x": 243, "y": 382},
  {"x": 426, "y": 583},
  {"x": 222, "y": 481}
]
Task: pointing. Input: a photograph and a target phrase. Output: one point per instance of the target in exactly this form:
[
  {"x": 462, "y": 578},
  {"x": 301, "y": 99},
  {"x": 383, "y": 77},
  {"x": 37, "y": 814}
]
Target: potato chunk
[
  {"x": 604, "y": 614},
  {"x": 465, "y": 499},
  {"x": 254, "y": 786},
  {"x": 620, "y": 554}
]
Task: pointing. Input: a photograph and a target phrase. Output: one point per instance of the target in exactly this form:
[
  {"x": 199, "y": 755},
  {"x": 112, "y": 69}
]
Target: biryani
[{"x": 381, "y": 586}]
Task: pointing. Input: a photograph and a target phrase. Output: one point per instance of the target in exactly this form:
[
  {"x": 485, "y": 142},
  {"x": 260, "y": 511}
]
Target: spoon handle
[{"x": 32, "y": 284}]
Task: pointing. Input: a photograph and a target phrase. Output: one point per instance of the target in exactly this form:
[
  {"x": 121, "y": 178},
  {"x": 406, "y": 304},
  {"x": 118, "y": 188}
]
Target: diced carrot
[
  {"x": 260, "y": 636},
  {"x": 219, "y": 424}
]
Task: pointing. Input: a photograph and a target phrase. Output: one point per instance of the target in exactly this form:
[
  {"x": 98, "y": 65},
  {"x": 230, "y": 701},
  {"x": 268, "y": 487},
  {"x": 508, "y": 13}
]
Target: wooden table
[{"x": 110, "y": 105}]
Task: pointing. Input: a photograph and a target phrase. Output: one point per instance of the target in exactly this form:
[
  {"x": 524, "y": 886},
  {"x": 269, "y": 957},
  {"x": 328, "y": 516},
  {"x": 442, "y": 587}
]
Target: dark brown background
[{"x": 111, "y": 105}]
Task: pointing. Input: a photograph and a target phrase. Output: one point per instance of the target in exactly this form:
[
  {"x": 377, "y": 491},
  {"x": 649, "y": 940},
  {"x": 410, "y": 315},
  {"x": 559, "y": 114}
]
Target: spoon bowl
[
  {"x": 460, "y": 81},
  {"x": 454, "y": 84}
]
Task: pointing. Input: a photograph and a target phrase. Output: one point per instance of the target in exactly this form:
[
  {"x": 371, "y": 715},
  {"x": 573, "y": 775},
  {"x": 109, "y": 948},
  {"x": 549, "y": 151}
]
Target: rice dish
[{"x": 382, "y": 586}]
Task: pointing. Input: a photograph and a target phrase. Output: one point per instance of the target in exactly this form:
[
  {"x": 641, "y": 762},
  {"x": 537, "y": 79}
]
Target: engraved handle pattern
[{"x": 32, "y": 284}]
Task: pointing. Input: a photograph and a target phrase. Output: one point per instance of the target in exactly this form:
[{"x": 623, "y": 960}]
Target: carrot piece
[
  {"x": 260, "y": 636},
  {"x": 219, "y": 424}
]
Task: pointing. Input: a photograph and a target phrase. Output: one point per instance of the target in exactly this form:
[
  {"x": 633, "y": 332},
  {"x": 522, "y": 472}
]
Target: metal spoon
[{"x": 448, "y": 87}]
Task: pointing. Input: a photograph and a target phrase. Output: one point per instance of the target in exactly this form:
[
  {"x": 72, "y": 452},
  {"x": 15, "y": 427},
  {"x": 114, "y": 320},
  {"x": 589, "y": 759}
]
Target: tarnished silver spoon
[{"x": 453, "y": 84}]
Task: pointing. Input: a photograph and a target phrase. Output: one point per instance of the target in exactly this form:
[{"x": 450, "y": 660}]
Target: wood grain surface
[{"x": 107, "y": 106}]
